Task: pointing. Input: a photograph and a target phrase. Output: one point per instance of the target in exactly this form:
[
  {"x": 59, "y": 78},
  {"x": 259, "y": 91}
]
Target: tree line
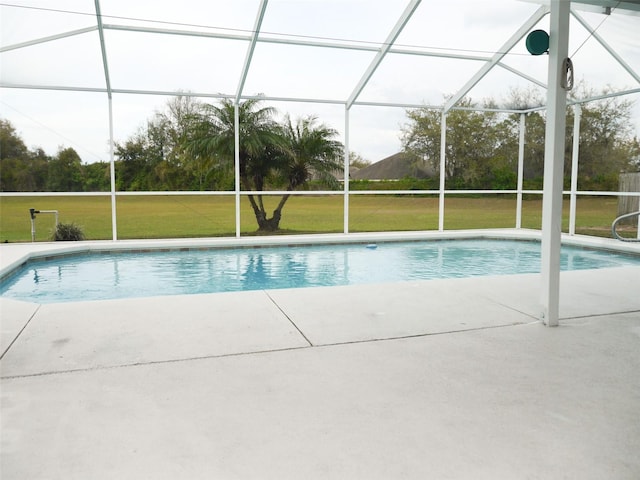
[
  {"x": 482, "y": 147},
  {"x": 26, "y": 170},
  {"x": 190, "y": 146}
]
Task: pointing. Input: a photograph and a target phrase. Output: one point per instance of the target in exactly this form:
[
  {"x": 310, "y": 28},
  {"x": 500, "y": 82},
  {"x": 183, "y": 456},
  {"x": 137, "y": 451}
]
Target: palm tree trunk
[
  {"x": 273, "y": 224},
  {"x": 280, "y": 206},
  {"x": 258, "y": 207},
  {"x": 261, "y": 215}
]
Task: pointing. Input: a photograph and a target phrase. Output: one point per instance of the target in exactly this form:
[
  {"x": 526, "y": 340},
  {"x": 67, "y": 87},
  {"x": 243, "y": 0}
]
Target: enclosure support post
[
  {"x": 521, "y": 139},
  {"x": 107, "y": 80},
  {"x": 554, "y": 163},
  {"x": 577, "y": 112},
  {"x": 112, "y": 173},
  {"x": 346, "y": 170},
  {"x": 236, "y": 162},
  {"x": 443, "y": 149}
]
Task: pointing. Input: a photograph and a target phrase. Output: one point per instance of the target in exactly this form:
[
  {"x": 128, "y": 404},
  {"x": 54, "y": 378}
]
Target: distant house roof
[{"x": 395, "y": 167}]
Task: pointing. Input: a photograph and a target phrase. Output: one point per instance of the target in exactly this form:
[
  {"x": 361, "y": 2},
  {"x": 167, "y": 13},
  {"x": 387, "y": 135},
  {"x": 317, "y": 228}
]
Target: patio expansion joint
[
  {"x": 513, "y": 309},
  {"x": 21, "y": 330},
  {"x": 288, "y": 318},
  {"x": 428, "y": 334},
  {"x": 258, "y": 352},
  {"x": 606, "y": 314},
  {"x": 150, "y": 362}
]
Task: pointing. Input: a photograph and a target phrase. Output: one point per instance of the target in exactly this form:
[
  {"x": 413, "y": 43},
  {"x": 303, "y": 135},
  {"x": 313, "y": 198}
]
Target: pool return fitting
[{"x": 32, "y": 212}]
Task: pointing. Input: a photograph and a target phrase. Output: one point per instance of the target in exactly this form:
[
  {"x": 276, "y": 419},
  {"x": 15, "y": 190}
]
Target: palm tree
[
  {"x": 268, "y": 152},
  {"x": 311, "y": 152},
  {"x": 214, "y": 138}
]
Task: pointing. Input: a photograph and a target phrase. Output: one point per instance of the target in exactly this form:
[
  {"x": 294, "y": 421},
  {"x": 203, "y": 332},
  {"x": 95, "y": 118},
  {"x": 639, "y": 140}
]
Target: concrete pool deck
[{"x": 424, "y": 379}]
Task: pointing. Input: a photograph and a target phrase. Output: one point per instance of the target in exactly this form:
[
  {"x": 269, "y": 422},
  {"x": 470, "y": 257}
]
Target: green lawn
[{"x": 205, "y": 216}]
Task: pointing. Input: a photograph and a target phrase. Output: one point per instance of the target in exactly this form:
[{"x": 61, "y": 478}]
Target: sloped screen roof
[{"x": 60, "y": 60}]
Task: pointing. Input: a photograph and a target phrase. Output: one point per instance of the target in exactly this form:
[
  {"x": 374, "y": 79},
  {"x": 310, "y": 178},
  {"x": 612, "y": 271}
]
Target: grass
[{"x": 207, "y": 216}]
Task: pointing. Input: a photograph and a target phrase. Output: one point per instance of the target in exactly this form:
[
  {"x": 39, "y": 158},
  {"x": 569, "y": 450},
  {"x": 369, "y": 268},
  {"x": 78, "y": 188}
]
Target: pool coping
[
  {"x": 15, "y": 255},
  {"x": 282, "y": 383}
]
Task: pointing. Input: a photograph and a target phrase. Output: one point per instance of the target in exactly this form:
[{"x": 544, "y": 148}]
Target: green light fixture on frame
[{"x": 538, "y": 42}]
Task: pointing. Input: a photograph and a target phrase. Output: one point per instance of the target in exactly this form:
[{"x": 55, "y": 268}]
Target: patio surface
[{"x": 447, "y": 379}]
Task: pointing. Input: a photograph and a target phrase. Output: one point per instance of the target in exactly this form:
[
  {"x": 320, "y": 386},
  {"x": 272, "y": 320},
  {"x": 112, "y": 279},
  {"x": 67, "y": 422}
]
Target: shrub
[{"x": 66, "y": 232}]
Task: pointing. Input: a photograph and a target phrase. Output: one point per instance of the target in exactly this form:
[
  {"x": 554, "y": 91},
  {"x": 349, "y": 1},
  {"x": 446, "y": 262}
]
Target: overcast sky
[{"x": 169, "y": 63}]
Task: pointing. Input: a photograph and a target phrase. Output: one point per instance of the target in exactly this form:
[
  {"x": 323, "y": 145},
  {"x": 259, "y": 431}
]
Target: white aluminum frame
[
  {"x": 559, "y": 11},
  {"x": 554, "y": 163}
]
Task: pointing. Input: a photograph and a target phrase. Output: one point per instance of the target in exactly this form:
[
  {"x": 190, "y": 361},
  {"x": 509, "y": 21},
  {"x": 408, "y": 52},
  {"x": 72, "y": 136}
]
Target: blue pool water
[{"x": 120, "y": 275}]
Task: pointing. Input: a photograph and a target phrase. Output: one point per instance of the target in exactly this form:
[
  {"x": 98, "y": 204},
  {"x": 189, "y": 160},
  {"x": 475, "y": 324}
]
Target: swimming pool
[{"x": 99, "y": 276}]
